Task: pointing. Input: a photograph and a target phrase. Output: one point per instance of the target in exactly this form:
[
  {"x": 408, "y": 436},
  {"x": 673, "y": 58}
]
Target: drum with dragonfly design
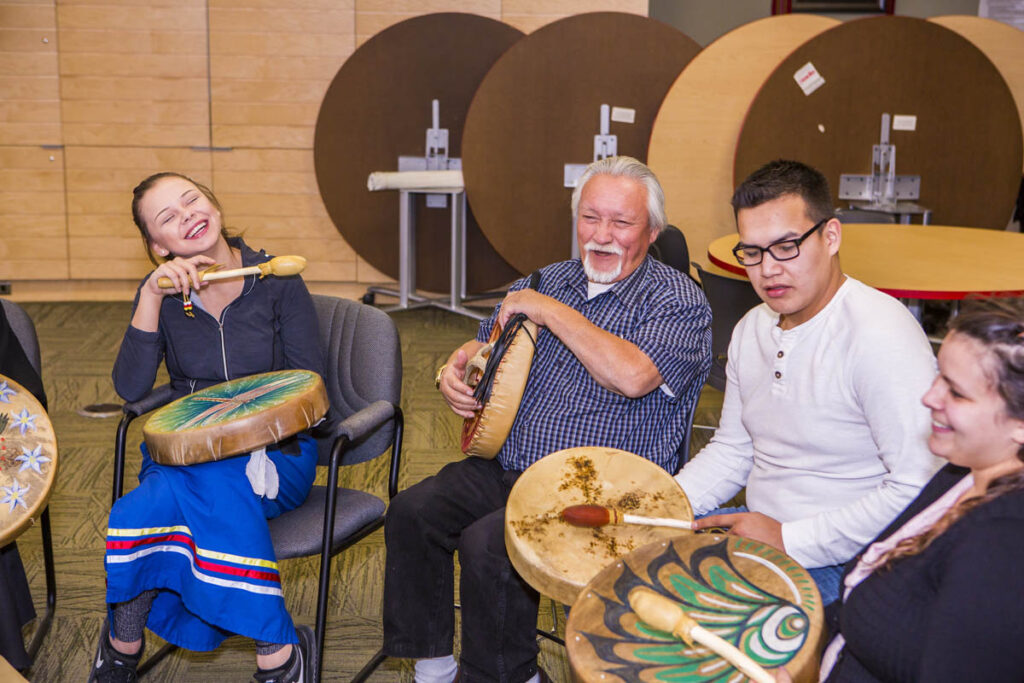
[{"x": 235, "y": 417}]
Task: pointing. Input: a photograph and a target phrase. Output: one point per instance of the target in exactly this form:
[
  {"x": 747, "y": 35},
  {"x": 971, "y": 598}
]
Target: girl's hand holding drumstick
[
  {"x": 178, "y": 275},
  {"x": 279, "y": 265}
]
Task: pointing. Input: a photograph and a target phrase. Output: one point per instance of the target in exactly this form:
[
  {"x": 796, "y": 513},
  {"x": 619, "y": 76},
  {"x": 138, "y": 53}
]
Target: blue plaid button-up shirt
[{"x": 657, "y": 308}]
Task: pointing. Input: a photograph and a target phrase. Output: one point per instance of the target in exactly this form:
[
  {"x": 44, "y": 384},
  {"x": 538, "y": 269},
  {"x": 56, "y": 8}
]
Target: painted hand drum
[
  {"x": 752, "y": 595},
  {"x": 498, "y": 373},
  {"x": 558, "y": 559},
  {"x": 28, "y": 459},
  {"x": 235, "y": 417}
]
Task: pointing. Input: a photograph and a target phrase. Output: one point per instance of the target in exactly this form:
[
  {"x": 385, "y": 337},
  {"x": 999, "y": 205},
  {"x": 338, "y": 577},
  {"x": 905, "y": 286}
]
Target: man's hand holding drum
[{"x": 456, "y": 392}]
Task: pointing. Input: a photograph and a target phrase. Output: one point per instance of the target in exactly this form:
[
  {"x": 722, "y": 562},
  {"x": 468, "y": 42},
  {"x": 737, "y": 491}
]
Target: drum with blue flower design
[{"x": 28, "y": 459}]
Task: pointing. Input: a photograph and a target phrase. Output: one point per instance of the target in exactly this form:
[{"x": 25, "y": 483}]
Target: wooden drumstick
[
  {"x": 667, "y": 615},
  {"x": 600, "y": 515},
  {"x": 279, "y": 265}
]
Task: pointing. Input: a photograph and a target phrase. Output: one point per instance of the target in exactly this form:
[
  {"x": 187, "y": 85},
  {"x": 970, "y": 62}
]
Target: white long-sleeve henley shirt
[{"x": 823, "y": 423}]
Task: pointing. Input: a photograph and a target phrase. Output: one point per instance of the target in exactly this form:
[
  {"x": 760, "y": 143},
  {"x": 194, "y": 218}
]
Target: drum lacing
[{"x": 482, "y": 392}]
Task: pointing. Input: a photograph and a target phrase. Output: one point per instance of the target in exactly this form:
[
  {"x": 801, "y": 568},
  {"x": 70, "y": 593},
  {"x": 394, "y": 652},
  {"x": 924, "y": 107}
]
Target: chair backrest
[
  {"x": 864, "y": 216},
  {"x": 25, "y": 331},
  {"x": 364, "y": 364},
  {"x": 670, "y": 248},
  {"x": 730, "y": 299}
]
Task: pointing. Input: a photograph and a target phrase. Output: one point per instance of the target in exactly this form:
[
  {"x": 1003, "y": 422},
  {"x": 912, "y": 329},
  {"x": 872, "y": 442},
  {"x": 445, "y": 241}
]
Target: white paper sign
[
  {"x": 904, "y": 122},
  {"x": 808, "y": 78},
  {"x": 623, "y": 114}
]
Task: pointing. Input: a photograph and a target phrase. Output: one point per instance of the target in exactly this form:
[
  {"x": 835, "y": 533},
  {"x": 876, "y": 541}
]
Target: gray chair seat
[{"x": 299, "y": 532}]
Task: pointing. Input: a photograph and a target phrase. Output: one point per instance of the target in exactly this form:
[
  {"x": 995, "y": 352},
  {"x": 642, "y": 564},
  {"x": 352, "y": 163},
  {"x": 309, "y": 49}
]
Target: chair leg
[
  {"x": 321, "y": 607},
  {"x": 370, "y": 667},
  {"x": 51, "y": 585},
  {"x": 325, "y": 551},
  {"x": 156, "y": 658},
  {"x": 552, "y": 635}
]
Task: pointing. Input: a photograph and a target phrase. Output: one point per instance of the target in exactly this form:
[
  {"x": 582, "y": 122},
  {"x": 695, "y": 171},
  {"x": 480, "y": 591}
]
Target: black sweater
[{"x": 954, "y": 612}]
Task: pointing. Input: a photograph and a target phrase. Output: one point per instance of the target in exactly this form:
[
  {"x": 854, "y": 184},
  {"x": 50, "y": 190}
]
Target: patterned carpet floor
[{"x": 79, "y": 342}]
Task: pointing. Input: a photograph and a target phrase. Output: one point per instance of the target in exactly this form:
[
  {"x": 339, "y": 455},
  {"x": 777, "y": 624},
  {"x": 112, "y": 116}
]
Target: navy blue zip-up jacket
[{"x": 272, "y": 325}]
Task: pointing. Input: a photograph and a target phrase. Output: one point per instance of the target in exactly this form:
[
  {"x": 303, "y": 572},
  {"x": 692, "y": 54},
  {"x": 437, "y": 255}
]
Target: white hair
[{"x": 627, "y": 167}]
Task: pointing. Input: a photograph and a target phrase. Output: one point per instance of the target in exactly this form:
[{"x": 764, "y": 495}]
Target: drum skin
[
  {"x": 558, "y": 559},
  {"x": 752, "y": 595},
  {"x": 485, "y": 433},
  {"x": 235, "y": 417},
  {"x": 28, "y": 459}
]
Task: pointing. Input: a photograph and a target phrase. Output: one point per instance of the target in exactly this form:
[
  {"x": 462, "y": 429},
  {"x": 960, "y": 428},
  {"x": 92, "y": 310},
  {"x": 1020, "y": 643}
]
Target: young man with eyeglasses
[{"x": 822, "y": 420}]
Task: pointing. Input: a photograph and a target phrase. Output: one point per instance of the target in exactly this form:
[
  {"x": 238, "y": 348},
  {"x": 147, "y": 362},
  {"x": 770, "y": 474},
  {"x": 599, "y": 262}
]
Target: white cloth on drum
[{"x": 262, "y": 474}]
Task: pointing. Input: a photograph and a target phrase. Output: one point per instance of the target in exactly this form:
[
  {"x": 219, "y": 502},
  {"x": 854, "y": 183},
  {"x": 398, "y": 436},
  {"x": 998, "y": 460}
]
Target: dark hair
[
  {"x": 145, "y": 186},
  {"x": 998, "y": 325},
  {"x": 781, "y": 177}
]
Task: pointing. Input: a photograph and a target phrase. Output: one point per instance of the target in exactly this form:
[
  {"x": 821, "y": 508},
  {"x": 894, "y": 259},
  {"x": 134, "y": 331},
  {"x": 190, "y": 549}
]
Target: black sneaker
[
  {"x": 301, "y": 667},
  {"x": 111, "y": 666}
]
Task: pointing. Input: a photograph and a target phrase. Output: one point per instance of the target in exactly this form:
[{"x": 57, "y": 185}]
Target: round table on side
[{"x": 920, "y": 261}]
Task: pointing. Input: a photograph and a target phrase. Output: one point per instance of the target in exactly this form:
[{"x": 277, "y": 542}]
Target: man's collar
[{"x": 626, "y": 290}]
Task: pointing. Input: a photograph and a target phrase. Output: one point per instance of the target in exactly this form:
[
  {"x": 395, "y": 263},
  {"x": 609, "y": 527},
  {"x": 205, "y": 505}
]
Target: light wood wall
[{"x": 97, "y": 94}]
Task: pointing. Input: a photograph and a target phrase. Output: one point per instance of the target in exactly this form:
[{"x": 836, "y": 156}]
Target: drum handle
[{"x": 482, "y": 392}]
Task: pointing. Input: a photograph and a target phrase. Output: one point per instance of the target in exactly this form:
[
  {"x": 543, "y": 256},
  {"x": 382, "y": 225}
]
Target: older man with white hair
[{"x": 622, "y": 352}]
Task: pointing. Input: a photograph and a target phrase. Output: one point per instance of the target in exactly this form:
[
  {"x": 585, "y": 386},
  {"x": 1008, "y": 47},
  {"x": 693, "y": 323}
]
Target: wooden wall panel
[
  {"x": 131, "y": 87},
  {"x": 33, "y": 234},
  {"x": 33, "y": 230},
  {"x": 373, "y": 16},
  {"x": 103, "y": 241},
  {"x": 530, "y": 15},
  {"x": 29, "y": 99},
  {"x": 272, "y": 197},
  {"x": 270, "y": 64},
  {"x": 134, "y": 73}
]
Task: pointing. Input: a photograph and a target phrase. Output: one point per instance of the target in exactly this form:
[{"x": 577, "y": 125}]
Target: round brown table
[
  {"x": 377, "y": 108},
  {"x": 539, "y": 108},
  {"x": 1001, "y": 43},
  {"x": 919, "y": 261},
  {"x": 967, "y": 146},
  {"x": 693, "y": 141}
]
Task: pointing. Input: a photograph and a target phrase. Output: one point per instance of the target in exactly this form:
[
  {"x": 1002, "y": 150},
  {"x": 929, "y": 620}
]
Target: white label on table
[
  {"x": 808, "y": 78},
  {"x": 904, "y": 122},
  {"x": 623, "y": 114}
]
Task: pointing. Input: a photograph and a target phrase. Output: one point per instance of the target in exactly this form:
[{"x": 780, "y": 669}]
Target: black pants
[
  {"x": 16, "y": 608},
  {"x": 461, "y": 508}
]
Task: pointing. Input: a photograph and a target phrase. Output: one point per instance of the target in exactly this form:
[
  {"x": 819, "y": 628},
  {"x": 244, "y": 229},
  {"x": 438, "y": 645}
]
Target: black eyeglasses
[{"x": 783, "y": 250}]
